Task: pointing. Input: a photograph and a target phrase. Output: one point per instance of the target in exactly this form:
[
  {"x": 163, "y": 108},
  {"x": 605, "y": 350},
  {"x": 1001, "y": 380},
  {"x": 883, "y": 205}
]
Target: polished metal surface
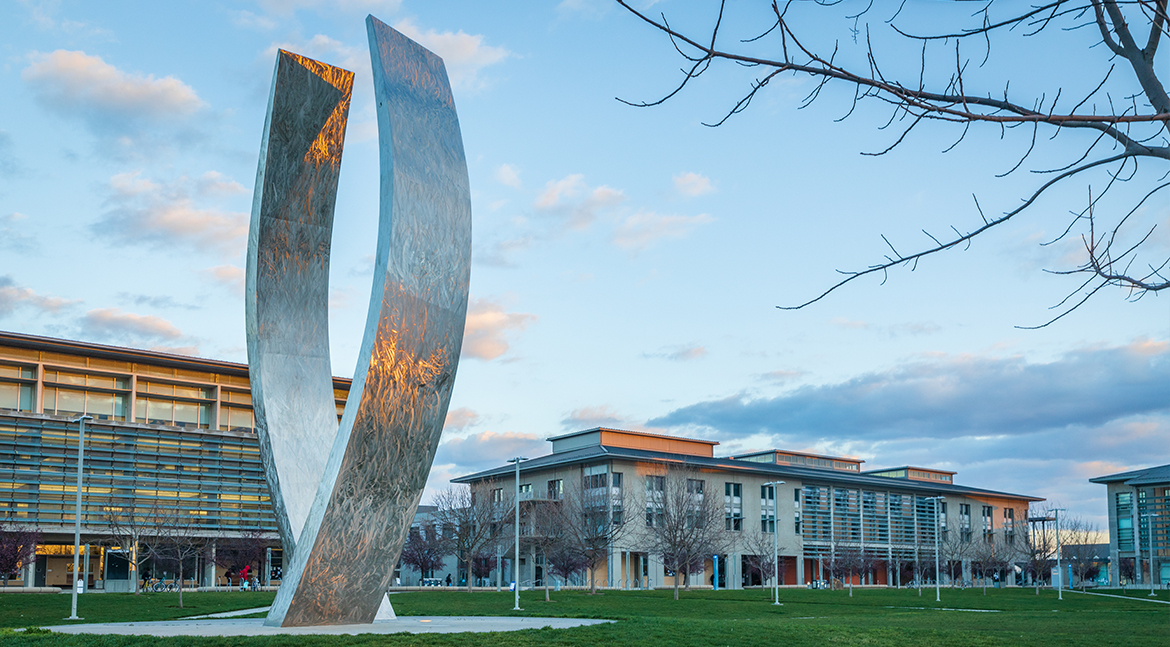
[
  {"x": 287, "y": 294},
  {"x": 381, "y": 454}
]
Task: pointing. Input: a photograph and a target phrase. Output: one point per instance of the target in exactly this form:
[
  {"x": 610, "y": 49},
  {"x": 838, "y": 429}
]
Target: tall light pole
[
  {"x": 775, "y": 541},
  {"x": 1150, "y": 541},
  {"x": 1059, "y": 568},
  {"x": 937, "y": 593},
  {"x": 77, "y": 582},
  {"x": 516, "y": 561}
]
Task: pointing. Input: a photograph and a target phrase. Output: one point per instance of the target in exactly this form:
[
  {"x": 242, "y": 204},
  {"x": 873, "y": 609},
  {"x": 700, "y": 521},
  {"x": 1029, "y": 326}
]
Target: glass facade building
[{"x": 169, "y": 433}]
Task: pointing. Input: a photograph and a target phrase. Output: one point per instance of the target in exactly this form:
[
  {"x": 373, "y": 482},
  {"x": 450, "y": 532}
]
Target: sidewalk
[{"x": 256, "y": 627}]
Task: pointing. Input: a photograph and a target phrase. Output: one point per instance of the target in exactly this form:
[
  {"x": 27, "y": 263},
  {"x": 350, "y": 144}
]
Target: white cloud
[
  {"x": 644, "y": 228},
  {"x": 693, "y": 185},
  {"x": 327, "y": 50},
  {"x": 229, "y": 276},
  {"x": 216, "y": 184},
  {"x": 464, "y": 55},
  {"x": 572, "y": 199},
  {"x": 122, "y": 108},
  {"x": 507, "y": 175},
  {"x": 12, "y": 296},
  {"x": 488, "y": 324},
  {"x": 248, "y": 20},
  {"x": 165, "y": 214},
  {"x": 461, "y": 418},
  {"x": 111, "y": 324}
]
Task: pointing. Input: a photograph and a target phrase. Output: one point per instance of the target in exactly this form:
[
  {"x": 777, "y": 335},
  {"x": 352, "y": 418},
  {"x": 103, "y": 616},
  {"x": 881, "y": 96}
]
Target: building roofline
[
  {"x": 797, "y": 453},
  {"x": 629, "y": 431},
  {"x": 126, "y": 354},
  {"x": 1126, "y": 476},
  {"x": 909, "y": 467},
  {"x": 805, "y": 474}
]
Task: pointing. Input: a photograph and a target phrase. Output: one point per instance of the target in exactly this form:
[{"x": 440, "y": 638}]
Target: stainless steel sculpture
[{"x": 350, "y": 538}]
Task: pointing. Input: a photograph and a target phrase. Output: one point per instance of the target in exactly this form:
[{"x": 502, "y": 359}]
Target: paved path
[
  {"x": 255, "y": 626},
  {"x": 1119, "y": 597},
  {"x": 228, "y": 614}
]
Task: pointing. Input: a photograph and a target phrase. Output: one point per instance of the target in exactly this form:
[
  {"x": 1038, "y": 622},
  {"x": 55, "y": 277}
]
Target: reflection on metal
[
  {"x": 287, "y": 293},
  {"x": 350, "y": 539}
]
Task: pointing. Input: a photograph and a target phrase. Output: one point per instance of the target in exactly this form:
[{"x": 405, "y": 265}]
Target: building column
[
  {"x": 85, "y": 575},
  {"x": 209, "y": 568},
  {"x": 267, "y": 564}
]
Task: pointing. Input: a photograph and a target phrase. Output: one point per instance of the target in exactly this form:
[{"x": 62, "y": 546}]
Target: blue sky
[{"x": 627, "y": 262}]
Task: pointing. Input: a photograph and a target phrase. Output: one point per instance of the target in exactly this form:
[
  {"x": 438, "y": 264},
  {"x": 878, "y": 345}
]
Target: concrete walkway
[{"x": 255, "y": 626}]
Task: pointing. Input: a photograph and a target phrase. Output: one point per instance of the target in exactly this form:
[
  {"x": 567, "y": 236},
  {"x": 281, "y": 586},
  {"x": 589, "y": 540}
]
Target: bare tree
[
  {"x": 245, "y": 550},
  {"x": 761, "y": 559},
  {"x": 684, "y": 522},
  {"x": 176, "y": 542},
  {"x": 989, "y": 557},
  {"x": 593, "y": 515},
  {"x": 470, "y": 517},
  {"x": 1078, "y": 539},
  {"x": 425, "y": 549},
  {"x": 1122, "y": 114},
  {"x": 127, "y": 525},
  {"x": 18, "y": 546},
  {"x": 549, "y": 533}
]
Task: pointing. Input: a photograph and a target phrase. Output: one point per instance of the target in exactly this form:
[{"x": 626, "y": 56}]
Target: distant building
[
  {"x": 1138, "y": 499},
  {"x": 169, "y": 431},
  {"x": 826, "y": 505}
]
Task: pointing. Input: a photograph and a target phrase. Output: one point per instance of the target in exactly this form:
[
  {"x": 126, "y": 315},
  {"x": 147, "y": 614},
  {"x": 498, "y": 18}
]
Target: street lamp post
[
  {"x": 1150, "y": 541},
  {"x": 1059, "y": 567},
  {"x": 516, "y": 561},
  {"x": 937, "y": 593},
  {"x": 775, "y": 541},
  {"x": 77, "y": 582}
]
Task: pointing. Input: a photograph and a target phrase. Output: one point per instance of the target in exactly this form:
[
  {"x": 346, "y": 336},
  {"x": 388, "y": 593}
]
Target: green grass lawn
[
  {"x": 875, "y": 617},
  {"x": 41, "y": 609}
]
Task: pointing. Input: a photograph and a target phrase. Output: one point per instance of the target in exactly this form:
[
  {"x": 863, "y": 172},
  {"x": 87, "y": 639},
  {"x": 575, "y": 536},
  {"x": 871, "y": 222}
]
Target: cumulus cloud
[
  {"x": 507, "y": 175},
  {"x": 488, "y": 449},
  {"x": 123, "y": 109},
  {"x": 461, "y": 418},
  {"x": 679, "y": 353},
  {"x": 1003, "y": 423},
  {"x": 571, "y": 199},
  {"x": 488, "y": 327},
  {"x": 330, "y": 50},
  {"x": 692, "y": 185},
  {"x": 113, "y": 325},
  {"x": 229, "y": 276},
  {"x": 644, "y": 228},
  {"x": 589, "y": 417},
  {"x": 12, "y": 296},
  {"x": 464, "y": 55},
  {"x": 165, "y": 214}
]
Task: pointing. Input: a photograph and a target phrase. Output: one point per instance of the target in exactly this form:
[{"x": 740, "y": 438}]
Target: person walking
[{"x": 448, "y": 579}]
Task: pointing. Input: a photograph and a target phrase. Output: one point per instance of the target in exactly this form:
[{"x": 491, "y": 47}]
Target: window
[
  {"x": 556, "y": 490},
  {"x": 594, "y": 481},
  {"x": 1125, "y": 521},
  {"x": 733, "y": 506},
  {"x": 654, "y": 493},
  {"x": 1009, "y": 525},
  {"x": 988, "y": 528},
  {"x": 497, "y": 495},
  {"x": 942, "y": 520},
  {"x": 17, "y": 387},
  {"x": 796, "y": 516},
  {"x": 525, "y": 491},
  {"x": 695, "y": 489},
  {"x": 965, "y": 522},
  {"x": 768, "y": 508}
]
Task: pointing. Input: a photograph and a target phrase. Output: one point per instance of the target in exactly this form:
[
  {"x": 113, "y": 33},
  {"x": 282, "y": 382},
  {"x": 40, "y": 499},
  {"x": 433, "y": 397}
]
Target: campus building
[
  {"x": 826, "y": 506},
  {"x": 1140, "y": 500},
  {"x": 169, "y": 432}
]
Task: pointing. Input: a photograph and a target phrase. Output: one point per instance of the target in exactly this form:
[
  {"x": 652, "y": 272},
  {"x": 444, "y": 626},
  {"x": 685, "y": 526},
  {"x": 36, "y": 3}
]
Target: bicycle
[{"x": 160, "y": 586}]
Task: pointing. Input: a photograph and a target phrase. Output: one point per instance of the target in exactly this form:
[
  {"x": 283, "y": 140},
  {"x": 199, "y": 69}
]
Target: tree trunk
[
  {"x": 676, "y": 585},
  {"x": 593, "y": 579},
  {"x": 546, "y": 582},
  {"x": 180, "y": 583},
  {"x": 470, "y": 575}
]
